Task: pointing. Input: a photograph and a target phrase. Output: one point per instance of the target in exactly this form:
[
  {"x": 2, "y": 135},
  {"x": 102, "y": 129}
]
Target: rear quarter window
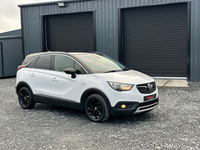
[{"x": 32, "y": 63}]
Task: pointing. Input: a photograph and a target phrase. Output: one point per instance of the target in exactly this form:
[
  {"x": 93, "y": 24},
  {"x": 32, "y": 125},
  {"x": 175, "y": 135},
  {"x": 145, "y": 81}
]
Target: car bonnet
[{"x": 129, "y": 77}]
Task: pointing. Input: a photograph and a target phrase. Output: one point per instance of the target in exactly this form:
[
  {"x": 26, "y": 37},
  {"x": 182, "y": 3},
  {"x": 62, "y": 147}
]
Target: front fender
[{"x": 91, "y": 91}]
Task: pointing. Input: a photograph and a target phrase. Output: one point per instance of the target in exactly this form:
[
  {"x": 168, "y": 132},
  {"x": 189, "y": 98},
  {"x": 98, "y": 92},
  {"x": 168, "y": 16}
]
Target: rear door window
[{"x": 43, "y": 62}]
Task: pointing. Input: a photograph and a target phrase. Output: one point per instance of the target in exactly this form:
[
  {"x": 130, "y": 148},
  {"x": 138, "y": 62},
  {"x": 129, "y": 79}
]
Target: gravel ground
[{"x": 174, "y": 124}]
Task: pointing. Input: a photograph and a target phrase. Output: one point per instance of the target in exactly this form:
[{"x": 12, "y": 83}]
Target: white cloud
[{"x": 10, "y": 13}]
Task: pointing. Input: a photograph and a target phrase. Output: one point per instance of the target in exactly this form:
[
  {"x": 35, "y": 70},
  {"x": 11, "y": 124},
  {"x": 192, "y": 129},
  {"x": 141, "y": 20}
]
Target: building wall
[
  {"x": 106, "y": 25},
  {"x": 1, "y": 68},
  {"x": 12, "y": 56},
  {"x": 11, "y": 48},
  {"x": 13, "y": 32},
  {"x": 195, "y": 41}
]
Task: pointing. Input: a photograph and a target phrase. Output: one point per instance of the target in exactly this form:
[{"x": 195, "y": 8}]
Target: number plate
[{"x": 151, "y": 97}]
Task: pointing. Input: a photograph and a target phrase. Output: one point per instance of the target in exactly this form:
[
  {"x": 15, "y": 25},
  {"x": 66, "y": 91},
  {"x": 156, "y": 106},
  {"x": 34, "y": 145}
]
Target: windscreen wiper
[
  {"x": 113, "y": 71},
  {"x": 126, "y": 69}
]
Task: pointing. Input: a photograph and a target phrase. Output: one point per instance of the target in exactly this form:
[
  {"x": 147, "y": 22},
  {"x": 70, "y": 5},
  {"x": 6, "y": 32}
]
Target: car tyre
[
  {"x": 96, "y": 108},
  {"x": 25, "y": 98}
]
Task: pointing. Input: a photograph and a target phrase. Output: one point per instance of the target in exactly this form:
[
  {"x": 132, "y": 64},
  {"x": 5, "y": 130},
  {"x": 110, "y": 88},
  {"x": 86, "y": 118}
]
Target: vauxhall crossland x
[{"x": 92, "y": 82}]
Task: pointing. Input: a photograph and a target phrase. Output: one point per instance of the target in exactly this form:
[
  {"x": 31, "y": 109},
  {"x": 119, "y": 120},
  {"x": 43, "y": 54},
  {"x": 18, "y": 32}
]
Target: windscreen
[{"x": 100, "y": 63}]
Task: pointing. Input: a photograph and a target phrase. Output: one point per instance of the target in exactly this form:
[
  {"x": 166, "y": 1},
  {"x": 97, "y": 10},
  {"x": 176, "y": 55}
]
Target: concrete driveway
[{"x": 174, "y": 124}]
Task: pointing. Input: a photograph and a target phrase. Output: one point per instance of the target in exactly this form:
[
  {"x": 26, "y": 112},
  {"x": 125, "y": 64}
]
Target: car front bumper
[{"x": 133, "y": 107}]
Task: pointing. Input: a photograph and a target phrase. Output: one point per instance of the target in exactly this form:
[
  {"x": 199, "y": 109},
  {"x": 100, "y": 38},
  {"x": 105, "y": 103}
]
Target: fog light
[{"x": 123, "y": 106}]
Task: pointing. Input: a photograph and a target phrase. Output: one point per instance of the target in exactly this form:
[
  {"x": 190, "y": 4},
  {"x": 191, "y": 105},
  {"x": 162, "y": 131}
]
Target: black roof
[
  {"x": 59, "y": 52},
  {"x": 31, "y": 56}
]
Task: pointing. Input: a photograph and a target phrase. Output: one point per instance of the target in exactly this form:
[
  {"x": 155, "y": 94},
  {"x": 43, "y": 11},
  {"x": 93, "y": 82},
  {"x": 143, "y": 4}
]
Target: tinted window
[
  {"x": 63, "y": 62},
  {"x": 32, "y": 63},
  {"x": 43, "y": 62},
  {"x": 100, "y": 63},
  {"x": 79, "y": 69}
]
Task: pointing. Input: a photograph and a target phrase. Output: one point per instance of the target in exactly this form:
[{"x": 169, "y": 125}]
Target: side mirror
[{"x": 70, "y": 71}]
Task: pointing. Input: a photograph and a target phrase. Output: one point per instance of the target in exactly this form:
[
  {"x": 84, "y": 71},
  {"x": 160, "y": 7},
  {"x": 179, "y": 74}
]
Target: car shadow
[
  {"x": 136, "y": 118},
  {"x": 68, "y": 112},
  {"x": 56, "y": 109}
]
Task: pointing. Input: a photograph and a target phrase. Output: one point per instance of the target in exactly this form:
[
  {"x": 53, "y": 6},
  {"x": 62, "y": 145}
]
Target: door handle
[{"x": 54, "y": 79}]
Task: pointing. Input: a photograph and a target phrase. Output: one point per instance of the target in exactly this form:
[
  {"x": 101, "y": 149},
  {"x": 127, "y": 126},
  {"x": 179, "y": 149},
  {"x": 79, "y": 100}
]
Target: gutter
[
  {"x": 50, "y": 3},
  {"x": 10, "y": 37}
]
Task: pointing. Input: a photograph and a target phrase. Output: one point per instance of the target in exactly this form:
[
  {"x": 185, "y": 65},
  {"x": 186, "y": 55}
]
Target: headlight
[{"x": 120, "y": 86}]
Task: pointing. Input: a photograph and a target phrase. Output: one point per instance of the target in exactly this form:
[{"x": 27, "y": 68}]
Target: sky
[{"x": 10, "y": 13}]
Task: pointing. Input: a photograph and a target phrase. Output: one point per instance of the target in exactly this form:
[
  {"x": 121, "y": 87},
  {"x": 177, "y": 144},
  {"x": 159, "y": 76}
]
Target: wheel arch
[
  {"x": 22, "y": 84},
  {"x": 89, "y": 92}
]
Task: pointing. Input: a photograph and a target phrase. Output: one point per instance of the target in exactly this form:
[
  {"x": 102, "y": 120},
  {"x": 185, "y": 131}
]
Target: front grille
[
  {"x": 147, "y": 88},
  {"x": 146, "y": 106}
]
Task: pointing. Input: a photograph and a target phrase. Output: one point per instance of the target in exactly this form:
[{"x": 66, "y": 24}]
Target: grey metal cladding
[
  {"x": 195, "y": 41},
  {"x": 106, "y": 25},
  {"x": 14, "y": 32},
  {"x": 106, "y": 21},
  {"x": 31, "y": 30},
  {"x": 32, "y": 25},
  {"x": 1, "y": 67},
  {"x": 12, "y": 56}
]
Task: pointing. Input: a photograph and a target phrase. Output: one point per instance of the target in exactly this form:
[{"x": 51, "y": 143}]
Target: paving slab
[{"x": 171, "y": 83}]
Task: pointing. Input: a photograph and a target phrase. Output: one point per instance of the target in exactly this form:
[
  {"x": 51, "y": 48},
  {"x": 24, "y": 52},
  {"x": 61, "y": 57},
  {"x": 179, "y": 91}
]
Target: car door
[
  {"x": 39, "y": 77},
  {"x": 63, "y": 86}
]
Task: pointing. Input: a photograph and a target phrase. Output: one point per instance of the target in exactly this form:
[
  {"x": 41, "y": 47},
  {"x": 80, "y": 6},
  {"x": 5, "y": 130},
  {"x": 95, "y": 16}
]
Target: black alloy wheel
[
  {"x": 25, "y": 98},
  {"x": 96, "y": 108}
]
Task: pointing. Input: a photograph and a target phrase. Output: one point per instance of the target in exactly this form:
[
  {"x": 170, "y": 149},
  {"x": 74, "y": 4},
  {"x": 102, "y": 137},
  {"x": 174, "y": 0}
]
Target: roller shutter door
[
  {"x": 70, "y": 32},
  {"x": 155, "y": 39}
]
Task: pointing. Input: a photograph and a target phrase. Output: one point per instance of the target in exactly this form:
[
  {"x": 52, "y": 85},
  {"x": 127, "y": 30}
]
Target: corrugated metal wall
[
  {"x": 32, "y": 25},
  {"x": 106, "y": 25},
  {"x": 195, "y": 41},
  {"x": 1, "y": 67},
  {"x": 12, "y": 56}
]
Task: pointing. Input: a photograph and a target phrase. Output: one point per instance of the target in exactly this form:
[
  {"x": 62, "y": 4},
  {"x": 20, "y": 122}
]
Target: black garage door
[
  {"x": 69, "y": 32},
  {"x": 154, "y": 39}
]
